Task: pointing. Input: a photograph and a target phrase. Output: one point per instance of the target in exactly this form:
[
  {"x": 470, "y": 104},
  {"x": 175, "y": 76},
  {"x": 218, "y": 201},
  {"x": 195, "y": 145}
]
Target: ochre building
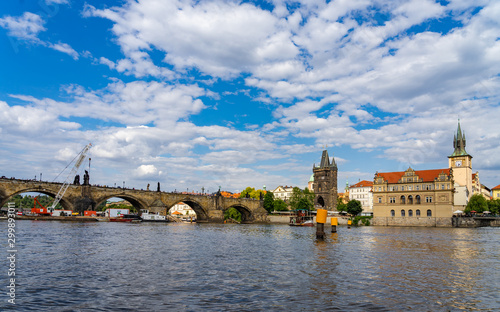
[{"x": 424, "y": 197}]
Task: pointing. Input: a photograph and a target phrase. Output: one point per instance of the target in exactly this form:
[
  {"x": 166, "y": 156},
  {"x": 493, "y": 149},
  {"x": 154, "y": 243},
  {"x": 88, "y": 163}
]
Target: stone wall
[
  {"x": 412, "y": 221},
  {"x": 461, "y": 222}
]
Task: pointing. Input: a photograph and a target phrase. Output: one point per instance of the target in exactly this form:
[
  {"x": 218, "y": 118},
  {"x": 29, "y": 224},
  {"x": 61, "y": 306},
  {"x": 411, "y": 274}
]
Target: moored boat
[
  {"x": 126, "y": 218},
  {"x": 301, "y": 218}
]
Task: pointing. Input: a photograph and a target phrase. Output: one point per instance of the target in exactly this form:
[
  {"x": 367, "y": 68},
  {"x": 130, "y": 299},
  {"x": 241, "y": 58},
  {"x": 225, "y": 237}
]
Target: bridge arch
[
  {"x": 201, "y": 213},
  {"x": 136, "y": 203},
  {"x": 52, "y": 193},
  {"x": 246, "y": 213}
]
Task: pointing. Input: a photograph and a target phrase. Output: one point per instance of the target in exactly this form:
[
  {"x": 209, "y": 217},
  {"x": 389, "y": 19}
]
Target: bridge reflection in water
[{"x": 78, "y": 198}]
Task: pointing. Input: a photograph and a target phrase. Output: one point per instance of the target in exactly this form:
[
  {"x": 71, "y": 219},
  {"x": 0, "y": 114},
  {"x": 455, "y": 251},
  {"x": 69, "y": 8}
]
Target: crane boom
[{"x": 64, "y": 187}]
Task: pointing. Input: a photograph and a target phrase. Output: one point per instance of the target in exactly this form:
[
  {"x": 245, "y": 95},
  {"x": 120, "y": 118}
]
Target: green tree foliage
[
  {"x": 494, "y": 206},
  {"x": 341, "y": 206},
  {"x": 269, "y": 202},
  {"x": 27, "y": 201},
  {"x": 280, "y": 205},
  {"x": 302, "y": 199},
  {"x": 354, "y": 207},
  {"x": 477, "y": 203},
  {"x": 232, "y": 213},
  {"x": 252, "y": 193}
]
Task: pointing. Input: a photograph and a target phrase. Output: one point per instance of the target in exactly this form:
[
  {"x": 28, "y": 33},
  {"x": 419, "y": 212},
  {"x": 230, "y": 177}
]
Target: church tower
[
  {"x": 325, "y": 183},
  {"x": 461, "y": 164}
]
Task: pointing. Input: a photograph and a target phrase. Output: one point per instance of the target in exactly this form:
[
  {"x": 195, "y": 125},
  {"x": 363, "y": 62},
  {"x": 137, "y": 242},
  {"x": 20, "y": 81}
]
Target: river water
[{"x": 65, "y": 266}]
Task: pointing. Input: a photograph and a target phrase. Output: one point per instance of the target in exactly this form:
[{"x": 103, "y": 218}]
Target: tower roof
[
  {"x": 325, "y": 161},
  {"x": 459, "y": 143}
]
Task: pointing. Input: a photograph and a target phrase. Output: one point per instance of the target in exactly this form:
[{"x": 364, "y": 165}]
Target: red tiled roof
[
  {"x": 363, "y": 183},
  {"x": 496, "y": 187},
  {"x": 425, "y": 175}
]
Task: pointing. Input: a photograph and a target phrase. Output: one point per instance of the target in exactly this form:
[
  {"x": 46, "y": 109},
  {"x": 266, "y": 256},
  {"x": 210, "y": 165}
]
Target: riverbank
[{"x": 60, "y": 218}]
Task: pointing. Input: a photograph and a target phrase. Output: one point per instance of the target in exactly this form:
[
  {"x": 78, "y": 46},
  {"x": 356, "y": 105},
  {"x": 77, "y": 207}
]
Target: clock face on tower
[{"x": 458, "y": 163}]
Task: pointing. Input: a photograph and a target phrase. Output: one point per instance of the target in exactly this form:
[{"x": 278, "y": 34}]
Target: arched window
[
  {"x": 417, "y": 212},
  {"x": 403, "y": 199},
  {"x": 402, "y": 212},
  {"x": 429, "y": 213},
  {"x": 410, "y": 200},
  {"x": 410, "y": 213},
  {"x": 393, "y": 213},
  {"x": 417, "y": 199}
]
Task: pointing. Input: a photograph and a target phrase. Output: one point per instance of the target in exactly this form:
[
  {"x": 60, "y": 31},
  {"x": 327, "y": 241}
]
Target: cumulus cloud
[{"x": 25, "y": 27}]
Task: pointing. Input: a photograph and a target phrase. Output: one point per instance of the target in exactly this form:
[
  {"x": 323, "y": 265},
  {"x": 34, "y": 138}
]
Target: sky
[{"x": 231, "y": 94}]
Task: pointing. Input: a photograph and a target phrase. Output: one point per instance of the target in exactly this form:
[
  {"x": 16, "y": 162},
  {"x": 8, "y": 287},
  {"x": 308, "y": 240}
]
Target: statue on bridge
[
  {"x": 77, "y": 180},
  {"x": 86, "y": 178},
  {"x": 158, "y": 187}
]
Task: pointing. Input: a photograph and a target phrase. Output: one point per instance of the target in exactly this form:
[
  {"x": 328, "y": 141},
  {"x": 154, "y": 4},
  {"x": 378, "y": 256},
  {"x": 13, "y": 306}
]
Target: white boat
[{"x": 152, "y": 217}]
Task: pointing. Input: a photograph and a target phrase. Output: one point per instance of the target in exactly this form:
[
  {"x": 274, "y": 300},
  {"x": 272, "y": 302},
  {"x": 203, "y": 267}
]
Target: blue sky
[{"x": 196, "y": 94}]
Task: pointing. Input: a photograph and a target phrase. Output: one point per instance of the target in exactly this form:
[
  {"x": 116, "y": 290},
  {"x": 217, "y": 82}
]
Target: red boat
[{"x": 126, "y": 218}]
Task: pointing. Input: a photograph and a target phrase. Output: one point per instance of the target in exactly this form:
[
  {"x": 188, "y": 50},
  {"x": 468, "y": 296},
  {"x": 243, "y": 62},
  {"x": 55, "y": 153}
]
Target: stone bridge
[{"x": 78, "y": 198}]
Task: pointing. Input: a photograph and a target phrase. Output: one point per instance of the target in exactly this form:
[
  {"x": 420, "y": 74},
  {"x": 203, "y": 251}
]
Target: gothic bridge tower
[{"x": 325, "y": 183}]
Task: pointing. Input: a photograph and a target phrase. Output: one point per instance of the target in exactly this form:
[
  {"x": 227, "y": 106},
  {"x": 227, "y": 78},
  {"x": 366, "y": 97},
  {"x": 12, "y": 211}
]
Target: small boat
[
  {"x": 152, "y": 217},
  {"x": 301, "y": 218},
  {"x": 126, "y": 218}
]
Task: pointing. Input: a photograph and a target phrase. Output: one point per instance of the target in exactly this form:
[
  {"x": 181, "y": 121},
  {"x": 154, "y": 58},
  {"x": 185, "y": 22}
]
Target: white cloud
[
  {"x": 65, "y": 48},
  {"x": 25, "y": 27}
]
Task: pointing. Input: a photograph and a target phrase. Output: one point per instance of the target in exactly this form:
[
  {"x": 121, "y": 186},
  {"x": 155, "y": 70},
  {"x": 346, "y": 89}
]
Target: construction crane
[{"x": 81, "y": 157}]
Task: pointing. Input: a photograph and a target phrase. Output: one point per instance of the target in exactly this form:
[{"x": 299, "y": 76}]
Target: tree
[
  {"x": 252, "y": 193},
  {"x": 477, "y": 203},
  {"x": 494, "y": 206},
  {"x": 354, "y": 207},
  {"x": 269, "y": 201},
  {"x": 232, "y": 213},
  {"x": 341, "y": 206},
  {"x": 280, "y": 205},
  {"x": 304, "y": 204},
  {"x": 301, "y": 199}
]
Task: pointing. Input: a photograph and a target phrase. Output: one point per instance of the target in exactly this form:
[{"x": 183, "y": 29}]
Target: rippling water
[{"x": 193, "y": 267}]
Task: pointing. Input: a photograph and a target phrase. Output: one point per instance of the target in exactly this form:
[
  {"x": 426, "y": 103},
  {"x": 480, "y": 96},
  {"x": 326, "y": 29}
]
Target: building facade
[
  {"x": 325, "y": 183},
  {"x": 425, "y": 197},
  {"x": 283, "y": 192},
  {"x": 362, "y": 192},
  {"x": 495, "y": 192}
]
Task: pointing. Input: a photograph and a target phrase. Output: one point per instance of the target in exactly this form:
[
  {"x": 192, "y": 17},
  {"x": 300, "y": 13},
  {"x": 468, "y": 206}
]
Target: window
[
  {"x": 403, "y": 200},
  {"x": 409, "y": 188},
  {"x": 402, "y": 212},
  {"x": 417, "y": 212},
  {"x": 417, "y": 187},
  {"x": 380, "y": 200},
  {"x": 402, "y": 188},
  {"x": 442, "y": 186},
  {"x": 417, "y": 199},
  {"x": 392, "y": 200},
  {"x": 429, "y": 213},
  {"x": 428, "y": 199},
  {"x": 410, "y": 200},
  {"x": 410, "y": 213},
  {"x": 392, "y": 213}
]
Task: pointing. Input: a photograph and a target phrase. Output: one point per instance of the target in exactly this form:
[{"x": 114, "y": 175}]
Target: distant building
[
  {"x": 182, "y": 209},
  {"x": 495, "y": 192},
  {"x": 325, "y": 183},
  {"x": 310, "y": 184},
  {"x": 426, "y": 197},
  {"x": 283, "y": 192},
  {"x": 362, "y": 191}
]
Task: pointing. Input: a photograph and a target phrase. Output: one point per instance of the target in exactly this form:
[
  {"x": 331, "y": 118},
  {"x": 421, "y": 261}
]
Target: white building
[
  {"x": 182, "y": 209},
  {"x": 283, "y": 192},
  {"x": 362, "y": 191}
]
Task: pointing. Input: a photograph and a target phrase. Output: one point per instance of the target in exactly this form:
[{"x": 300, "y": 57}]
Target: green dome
[{"x": 312, "y": 178}]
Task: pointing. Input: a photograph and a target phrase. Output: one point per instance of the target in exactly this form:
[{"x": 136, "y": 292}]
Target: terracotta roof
[
  {"x": 496, "y": 187},
  {"x": 425, "y": 175},
  {"x": 363, "y": 183}
]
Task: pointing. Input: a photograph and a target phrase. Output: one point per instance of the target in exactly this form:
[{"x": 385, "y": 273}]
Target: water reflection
[{"x": 146, "y": 267}]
